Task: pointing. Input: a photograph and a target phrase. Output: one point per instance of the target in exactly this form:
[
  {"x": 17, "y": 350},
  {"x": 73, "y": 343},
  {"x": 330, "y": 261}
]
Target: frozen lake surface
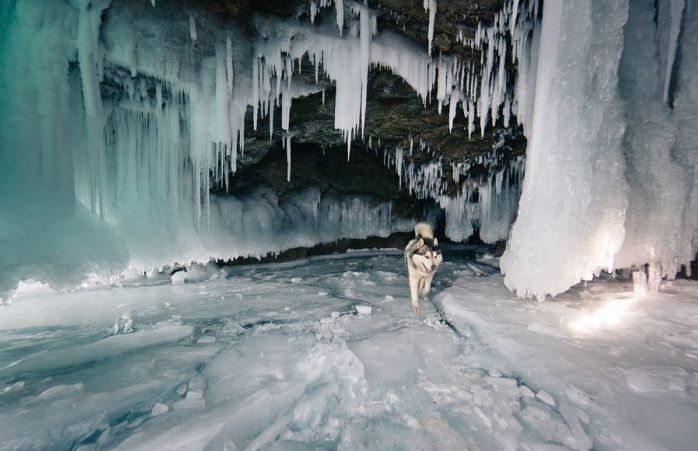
[{"x": 277, "y": 357}]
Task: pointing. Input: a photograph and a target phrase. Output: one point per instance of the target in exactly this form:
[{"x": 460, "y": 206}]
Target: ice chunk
[
  {"x": 526, "y": 392},
  {"x": 545, "y": 397},
  {"x": 194, "y": 394},
  {"x": 206, "y": 339},
  {"x": 364, "y": 309},
  {"x": 159, "y": 409}
]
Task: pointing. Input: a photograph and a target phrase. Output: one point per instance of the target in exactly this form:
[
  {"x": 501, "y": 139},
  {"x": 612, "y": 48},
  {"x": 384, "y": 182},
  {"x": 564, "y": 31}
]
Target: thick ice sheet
[
  {"x": 277, "y": 357},
  {"x": 625, "y": 365}
]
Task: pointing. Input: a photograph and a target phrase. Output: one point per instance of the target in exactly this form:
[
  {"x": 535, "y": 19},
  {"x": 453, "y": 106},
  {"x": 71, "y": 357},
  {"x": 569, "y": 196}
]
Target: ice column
[{"x": 572, "y": 210}]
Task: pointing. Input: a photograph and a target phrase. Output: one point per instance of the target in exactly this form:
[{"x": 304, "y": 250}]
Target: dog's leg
[
  {"x": 414, "y": 296},
  {"x": 427, "y": 286},
  {"x": 421, "y": 286}
]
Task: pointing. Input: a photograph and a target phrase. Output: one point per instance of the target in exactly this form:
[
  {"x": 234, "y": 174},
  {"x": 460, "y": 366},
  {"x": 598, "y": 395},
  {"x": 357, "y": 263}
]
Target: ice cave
[{"x": 209, "y": 231}]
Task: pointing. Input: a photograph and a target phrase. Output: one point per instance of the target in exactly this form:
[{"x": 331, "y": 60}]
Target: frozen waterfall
[{"x": 611, "y": 176}]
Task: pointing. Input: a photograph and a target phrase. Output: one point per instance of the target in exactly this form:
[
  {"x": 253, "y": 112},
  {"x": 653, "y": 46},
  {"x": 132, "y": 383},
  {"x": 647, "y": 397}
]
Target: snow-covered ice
[{"x": 276, "y": 356}]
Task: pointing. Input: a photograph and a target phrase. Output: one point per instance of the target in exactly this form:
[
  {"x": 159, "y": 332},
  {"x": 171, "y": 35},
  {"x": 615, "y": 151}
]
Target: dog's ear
[
  {"x": 420, "y": 243},
  {"x": 436, "y": 242}
]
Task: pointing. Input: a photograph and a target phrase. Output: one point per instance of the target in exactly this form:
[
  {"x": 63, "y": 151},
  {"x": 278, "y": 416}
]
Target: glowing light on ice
[{"x": 610, "y": 315}]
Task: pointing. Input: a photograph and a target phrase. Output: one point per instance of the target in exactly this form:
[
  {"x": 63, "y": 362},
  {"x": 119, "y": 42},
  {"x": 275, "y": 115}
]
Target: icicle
[
  {"x": 677, "y": 9},
  {"x": 271, "y": 122},
  {"x": 364, "y": 19},
  {"x": 192, "y": 28},
  {"x": 255, "y": 92},
  {"x": 229, "y": 64},
  {"x": 339, "y": 7},
  {"x": 453, "y": 103},
  {"x": 430, "y": 7},
  {"x": 288, "y": 157},
  {"x": 399, "y": 155},
  {"x": 313, "y": 11},
  {"x": 285, "y": 109},
  {"x": 512, "y": 19}
]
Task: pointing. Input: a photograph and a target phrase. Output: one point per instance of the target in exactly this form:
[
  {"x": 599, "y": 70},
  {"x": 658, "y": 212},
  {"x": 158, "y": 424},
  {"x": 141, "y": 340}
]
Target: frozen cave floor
[{"x": 275, "y": 357}]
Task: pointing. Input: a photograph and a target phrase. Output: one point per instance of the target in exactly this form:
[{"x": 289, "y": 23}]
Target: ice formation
[
  {"x": 610, "y": 174},
  {"x": 611, "y": 170},
  {"x": 570, "y": 220},
  {"x": 144, "y": 151},
  {"x": 486, "y": 204},
  {"x": 490, "y": 205}
]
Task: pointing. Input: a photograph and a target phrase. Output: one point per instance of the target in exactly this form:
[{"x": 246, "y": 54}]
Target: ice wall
[
  {"x": 659, "y": 96},
  {"x": 611, "y": 165},
  {"x": 257, "y": 222}
]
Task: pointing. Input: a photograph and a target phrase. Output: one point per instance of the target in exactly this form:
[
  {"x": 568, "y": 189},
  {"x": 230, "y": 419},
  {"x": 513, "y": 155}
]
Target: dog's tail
[{"x": 424, "y": 230}]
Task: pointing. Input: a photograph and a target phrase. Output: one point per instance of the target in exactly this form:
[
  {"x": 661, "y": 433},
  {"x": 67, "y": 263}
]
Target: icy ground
[{"x": 276, "y": 357}]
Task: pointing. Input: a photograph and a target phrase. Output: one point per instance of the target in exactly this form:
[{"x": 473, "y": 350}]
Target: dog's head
[{"x": 427, "y": 256}]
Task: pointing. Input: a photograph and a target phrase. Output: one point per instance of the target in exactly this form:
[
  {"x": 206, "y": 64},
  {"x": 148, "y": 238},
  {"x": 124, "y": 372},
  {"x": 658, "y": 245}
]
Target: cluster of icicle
[
  {"x": 208, "y": 88},
  {"x": 486, "y": 203}
]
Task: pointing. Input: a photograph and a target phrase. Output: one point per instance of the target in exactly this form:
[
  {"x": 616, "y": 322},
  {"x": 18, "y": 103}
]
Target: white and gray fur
[{"x": 422, "y": 258}]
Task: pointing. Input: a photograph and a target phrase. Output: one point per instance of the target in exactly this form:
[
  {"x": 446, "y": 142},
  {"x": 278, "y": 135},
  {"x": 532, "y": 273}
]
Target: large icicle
[{"x": 572, "y": 209}]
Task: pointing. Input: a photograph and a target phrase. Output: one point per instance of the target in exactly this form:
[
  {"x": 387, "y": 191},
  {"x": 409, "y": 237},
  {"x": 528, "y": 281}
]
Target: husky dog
[{"x": 422, "y": 257}]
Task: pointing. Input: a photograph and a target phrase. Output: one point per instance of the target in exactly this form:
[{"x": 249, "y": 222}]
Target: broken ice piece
[
  {"x": 526, "y": 392},
  {"x": 206, "y": 339},
  {"x": 389, "y": 298},
  {"x": 194, "y": 394},
  {"x": 159, "y": 408},
  {"x": 546, "y": 398},
  {"x": 182, "y": 389},
  {"x": 364, "y": 309}
]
